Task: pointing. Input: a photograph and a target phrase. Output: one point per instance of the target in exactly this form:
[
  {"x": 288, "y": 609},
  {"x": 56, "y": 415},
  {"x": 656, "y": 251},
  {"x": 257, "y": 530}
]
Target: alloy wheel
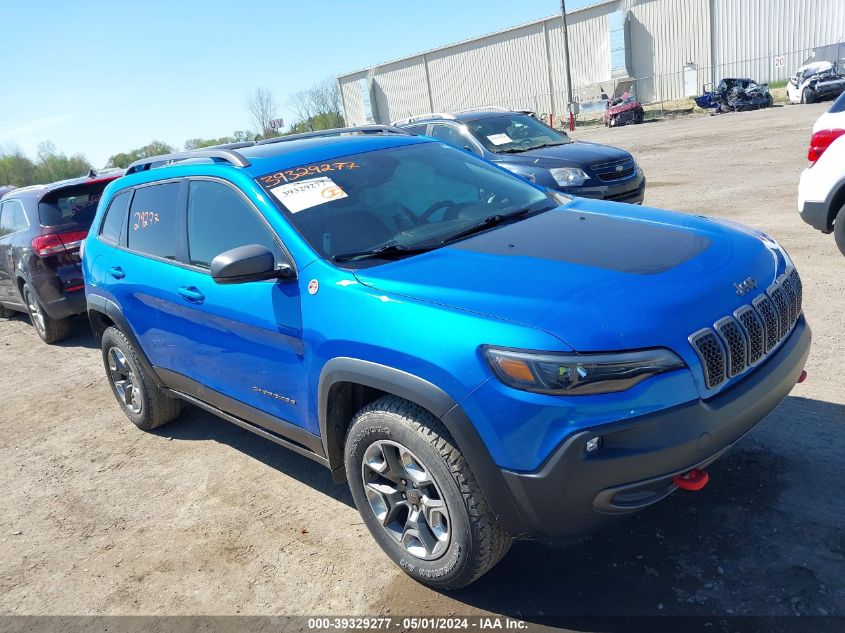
[
  {"x": 124, "y": 380},
  {"x": 35, "y": 313},
  {"x": 405, "y": 499}
]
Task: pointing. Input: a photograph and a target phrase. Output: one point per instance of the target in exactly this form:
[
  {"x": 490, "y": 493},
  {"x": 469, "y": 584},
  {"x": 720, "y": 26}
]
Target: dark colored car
[
  {"x": 41, "y": 230},
  {"x": 624, "y": 110},
  {"x": 529, "y": 148},
  {"x": 736, "y": 95}
]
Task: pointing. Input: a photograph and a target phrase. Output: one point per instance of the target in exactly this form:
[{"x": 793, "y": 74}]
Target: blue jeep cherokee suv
[{"x": 479, "y": 358}]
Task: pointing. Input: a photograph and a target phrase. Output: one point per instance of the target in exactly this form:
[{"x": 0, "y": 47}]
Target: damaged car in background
[
  {"x": 735, "y": 95},
  {"x": 816, "y": 81}
]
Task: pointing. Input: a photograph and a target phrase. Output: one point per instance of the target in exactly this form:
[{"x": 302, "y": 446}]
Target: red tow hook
[{"x": 693, "y": 480}]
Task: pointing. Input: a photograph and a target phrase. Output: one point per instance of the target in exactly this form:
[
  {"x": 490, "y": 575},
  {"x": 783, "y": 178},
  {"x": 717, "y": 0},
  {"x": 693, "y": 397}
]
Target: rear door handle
[
  {"x": 190, "y": 293},
  {"x": 117, "y": 272}
]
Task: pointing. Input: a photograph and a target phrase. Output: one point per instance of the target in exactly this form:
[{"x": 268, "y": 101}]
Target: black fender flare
[
  {"x": 433, "y": 399},
  {"x": 102, "y": 305}
]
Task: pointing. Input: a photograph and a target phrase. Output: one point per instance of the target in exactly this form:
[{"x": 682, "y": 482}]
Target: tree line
[{"x": 316, "y": 108}]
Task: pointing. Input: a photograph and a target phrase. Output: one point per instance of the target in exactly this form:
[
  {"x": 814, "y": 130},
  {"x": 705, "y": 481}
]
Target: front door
[{"x": 229, "y": 345}]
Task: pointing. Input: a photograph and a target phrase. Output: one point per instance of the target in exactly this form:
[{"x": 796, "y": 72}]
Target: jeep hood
[
  {"x": 577, "y": 154},
  {"x": 597, "y": 275}
]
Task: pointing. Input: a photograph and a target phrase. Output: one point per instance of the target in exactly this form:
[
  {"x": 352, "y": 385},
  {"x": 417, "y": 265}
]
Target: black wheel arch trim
[
  {"x": 433, "y": 399},
  {"x": 102, "y": 305}
]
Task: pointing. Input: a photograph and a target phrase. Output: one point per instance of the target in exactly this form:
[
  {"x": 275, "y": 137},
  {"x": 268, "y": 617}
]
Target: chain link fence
[{"x": 670, "y": 94}]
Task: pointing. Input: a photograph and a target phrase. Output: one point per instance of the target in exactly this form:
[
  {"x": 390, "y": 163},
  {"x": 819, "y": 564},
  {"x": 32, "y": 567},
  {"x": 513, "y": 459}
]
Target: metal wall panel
[
  {"x": 750, "y": 34},
  {"x": 350, "y": 93},
  {"x": 504, "y": 68},
  {"x": 665, "y": 35},
  {"x": 589, "y": 48},
  {"x": 523, "y": 67}
]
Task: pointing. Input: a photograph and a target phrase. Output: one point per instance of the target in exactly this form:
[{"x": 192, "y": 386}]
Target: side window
[
  {"x": 417, "y": 129},
  {"x": 153, "y": 221},
  {"x": 451, "y": 134},
  {"x": 12, "y": 218},
  {"x": 447, "y": 133},
  {"x": 115, "y": 218},
  {"x": 220, "y": 219},
  {"x": 6, "y": 225}
]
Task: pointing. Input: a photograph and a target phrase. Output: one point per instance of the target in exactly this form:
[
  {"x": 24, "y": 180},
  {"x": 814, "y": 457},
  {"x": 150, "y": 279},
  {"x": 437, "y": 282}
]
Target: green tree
[
  {"x": 53, "y": 165},
  {"x": 317, "y": 107},
  {"x": 155, "y": 148},
  {"x": 16, "y": 169}
]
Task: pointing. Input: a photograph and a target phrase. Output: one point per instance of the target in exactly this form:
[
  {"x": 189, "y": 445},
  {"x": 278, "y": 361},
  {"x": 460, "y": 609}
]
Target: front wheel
[
  {"x": 807, "y": 96},
  {"x": 142, "y": 400},
  {"x": 418, "y": 496},
  {"x": 839, "y": 230}
]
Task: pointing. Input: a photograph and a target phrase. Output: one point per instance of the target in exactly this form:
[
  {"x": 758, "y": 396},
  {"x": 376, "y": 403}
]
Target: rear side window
[
  {"x": 220, "y": 219},
  {"x": 153, "y": 221},
  {"x": 12, "y": 218},
  {"x": 417, "y": 129},
  {"x": 115, "y": 219},
  {"x": 73, "y": 207}
]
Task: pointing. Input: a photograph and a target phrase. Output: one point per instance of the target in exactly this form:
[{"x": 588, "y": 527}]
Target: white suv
[{"x": 821, "y": 192}]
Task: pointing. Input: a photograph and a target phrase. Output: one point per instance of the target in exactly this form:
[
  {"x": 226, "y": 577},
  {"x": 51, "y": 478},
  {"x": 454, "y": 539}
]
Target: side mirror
[{"x": 247, "y": 263}]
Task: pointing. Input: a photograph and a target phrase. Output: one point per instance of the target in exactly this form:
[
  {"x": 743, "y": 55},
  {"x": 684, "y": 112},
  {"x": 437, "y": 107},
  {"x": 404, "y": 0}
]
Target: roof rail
[
  {"x": 225, "y": 155},
  {"x": 424, "y": 117},
  {"x": 484, "y": 109},
  {"x": 340, "y": 131}
]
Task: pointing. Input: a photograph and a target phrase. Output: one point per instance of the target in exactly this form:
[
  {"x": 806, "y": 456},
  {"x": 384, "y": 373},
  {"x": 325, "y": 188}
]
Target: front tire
[
  {"x": 143, "y": 402},
  {"x": 807, "y": 96},
  {"x": 839, "y": 230},
  {"x": 418, "y": 496},
  {"x": 49, "y": 329}
]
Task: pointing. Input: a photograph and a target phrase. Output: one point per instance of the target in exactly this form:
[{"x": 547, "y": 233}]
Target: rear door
[{"x": 13, "y": 224}]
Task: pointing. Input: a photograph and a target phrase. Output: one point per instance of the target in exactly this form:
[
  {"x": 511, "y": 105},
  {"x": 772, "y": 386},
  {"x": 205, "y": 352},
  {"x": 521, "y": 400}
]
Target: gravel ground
[{"x": 201, "y": 517}]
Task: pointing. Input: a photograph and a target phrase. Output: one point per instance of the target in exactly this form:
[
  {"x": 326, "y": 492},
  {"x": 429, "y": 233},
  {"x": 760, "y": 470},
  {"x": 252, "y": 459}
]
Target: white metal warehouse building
[{"x": 670, "y": 47}]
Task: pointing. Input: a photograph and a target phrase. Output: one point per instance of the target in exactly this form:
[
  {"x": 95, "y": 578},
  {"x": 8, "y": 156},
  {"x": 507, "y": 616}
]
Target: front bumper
[
  {"x": 631, "y": 191},
  {"x": 573, "y": 491}
]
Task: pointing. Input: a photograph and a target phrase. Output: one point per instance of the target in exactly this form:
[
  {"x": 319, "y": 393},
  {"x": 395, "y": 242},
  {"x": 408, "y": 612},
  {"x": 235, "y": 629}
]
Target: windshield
[
  {"x": 410, "y": 196},
  {"x": 515, "y": 132}
]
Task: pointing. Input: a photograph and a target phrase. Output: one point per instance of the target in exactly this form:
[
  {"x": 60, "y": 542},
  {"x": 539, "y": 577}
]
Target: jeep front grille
[{"x": 736, "y": 343}]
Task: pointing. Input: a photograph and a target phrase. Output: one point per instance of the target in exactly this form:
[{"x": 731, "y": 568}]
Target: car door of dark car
[{"x": 13, "y": 224}]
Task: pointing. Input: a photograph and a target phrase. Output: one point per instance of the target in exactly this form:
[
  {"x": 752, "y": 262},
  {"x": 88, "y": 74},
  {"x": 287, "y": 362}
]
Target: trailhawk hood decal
[{"x": 598, "y": 275}]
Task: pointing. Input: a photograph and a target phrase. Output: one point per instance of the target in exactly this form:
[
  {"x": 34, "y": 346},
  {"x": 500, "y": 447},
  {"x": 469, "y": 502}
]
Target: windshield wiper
[
  {"x": 489, "y": 222},
  {"x": 516, "y": 150},
  {"x": 388, "y": 251}
]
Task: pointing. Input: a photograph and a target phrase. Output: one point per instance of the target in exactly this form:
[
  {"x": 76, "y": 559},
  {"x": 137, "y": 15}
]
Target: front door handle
[
  {"x": 191, "y": 294},
  {"x": 117, "y": 272}
]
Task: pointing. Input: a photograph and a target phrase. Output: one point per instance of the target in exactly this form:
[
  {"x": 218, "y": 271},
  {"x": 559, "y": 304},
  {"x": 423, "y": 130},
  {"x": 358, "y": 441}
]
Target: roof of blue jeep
[{"x": 287, "y": 154}]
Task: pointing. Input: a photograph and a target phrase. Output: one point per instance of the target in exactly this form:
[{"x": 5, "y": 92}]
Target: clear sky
[{"x": 99, "y": 77}]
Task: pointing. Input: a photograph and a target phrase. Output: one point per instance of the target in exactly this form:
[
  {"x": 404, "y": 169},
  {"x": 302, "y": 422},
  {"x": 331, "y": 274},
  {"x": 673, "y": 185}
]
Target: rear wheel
[
  {"x": 839, "y": 230},
  {"x": 49, "y": 329},
  {"x": 418, "y": 496},
  {"x": 141, "y": 399}
]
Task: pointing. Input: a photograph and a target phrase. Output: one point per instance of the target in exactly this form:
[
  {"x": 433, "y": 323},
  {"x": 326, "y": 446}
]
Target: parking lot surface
[{"x": 200, "y": 517}]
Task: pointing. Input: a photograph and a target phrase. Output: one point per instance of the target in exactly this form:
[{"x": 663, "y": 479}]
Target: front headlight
[
  {"x": 578, "y": 374},
  {"x": 568, "y": 176}
]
